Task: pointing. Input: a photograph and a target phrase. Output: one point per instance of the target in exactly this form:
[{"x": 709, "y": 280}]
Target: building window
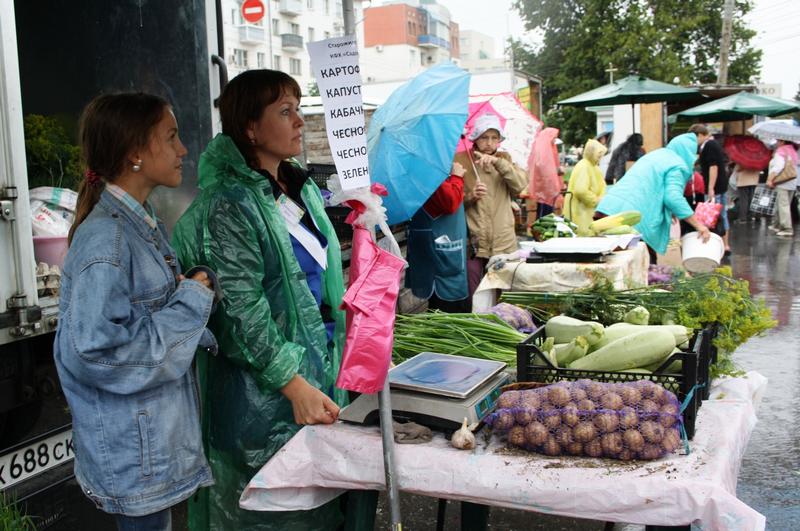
[
  {"x": 295, "y": 28},
  {"x": 327, "y": 34},
  {"x": 311, "y": 35},
  {"x": 410, "y": 28},
  {"x": 412, "y": 57},
  {"x": 275, "y": 26},
  {"x": 276, "y": 62},
  {"x": 234, "y": 13},
  {"x": 310, "y": 4},
  {"x": 240, "y": 57},
  {"x": 294, "y": 67},
  {"x": 261, "y": 59},
  {"x": 327, "y": 7}
]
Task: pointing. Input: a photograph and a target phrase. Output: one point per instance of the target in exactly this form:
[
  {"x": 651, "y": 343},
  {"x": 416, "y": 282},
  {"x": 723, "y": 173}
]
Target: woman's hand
[
  {"x": 770, "y": 182},
  {"x": 458, "y": 170},
  {"x": 309, "y": 404},
  {"x": 704, "y": 232},
  {"x": 479, "y": 191},
  {"x": 483, "y": 161},
  {"x": 200, "y": 277}
]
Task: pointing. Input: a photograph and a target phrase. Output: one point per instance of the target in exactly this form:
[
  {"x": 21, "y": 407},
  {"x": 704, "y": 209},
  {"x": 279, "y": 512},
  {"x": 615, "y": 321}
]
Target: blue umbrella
[{"x": 412, "y": 137}]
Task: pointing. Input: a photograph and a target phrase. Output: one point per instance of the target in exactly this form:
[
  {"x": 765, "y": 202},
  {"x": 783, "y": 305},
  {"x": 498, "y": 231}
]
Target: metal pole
[
  {"x": 633, "y": 117},
  {"x": 384, "y": 397},
  {"x": 387, "y": 435},
  {"x": 725, "y": 42}
]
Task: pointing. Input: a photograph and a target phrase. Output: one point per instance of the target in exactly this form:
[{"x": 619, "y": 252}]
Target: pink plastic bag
[
  {"x": 370, "y": 306},
  {"x": 708, "y": 213}
]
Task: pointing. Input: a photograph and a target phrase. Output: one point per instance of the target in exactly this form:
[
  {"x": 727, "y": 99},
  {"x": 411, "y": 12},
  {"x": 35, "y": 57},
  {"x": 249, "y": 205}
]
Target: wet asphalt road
[{"x": 769, "y": 479}]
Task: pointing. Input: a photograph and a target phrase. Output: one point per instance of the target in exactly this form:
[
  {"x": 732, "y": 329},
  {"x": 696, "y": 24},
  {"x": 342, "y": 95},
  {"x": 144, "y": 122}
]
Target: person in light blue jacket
[
  {"x": 130, "y": 322},
  {"x": 654, "y": 186}
]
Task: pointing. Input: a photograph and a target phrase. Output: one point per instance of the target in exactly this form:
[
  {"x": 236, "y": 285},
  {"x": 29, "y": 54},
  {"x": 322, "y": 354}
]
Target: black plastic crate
[
  {"x": 344, "y": 231},
  {"x": 708, "y": 357},
  {"x": 319, "y": 173},
  {"x": 534, "y": 366}
]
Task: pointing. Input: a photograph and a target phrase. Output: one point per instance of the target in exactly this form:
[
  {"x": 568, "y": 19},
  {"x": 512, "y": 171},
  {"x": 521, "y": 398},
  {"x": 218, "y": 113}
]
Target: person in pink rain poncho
[{"x": 545, "y": 183}]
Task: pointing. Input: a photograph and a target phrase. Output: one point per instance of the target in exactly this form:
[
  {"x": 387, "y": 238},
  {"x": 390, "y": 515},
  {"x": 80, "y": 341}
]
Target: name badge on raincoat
[{"x": 292, "y": 213}]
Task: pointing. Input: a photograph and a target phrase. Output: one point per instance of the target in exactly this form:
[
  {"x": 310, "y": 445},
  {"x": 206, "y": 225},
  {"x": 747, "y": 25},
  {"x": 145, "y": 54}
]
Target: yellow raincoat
[{"x": 586, "y": 187}]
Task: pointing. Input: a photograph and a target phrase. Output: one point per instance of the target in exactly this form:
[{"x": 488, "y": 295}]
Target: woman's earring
[
  {"x": 138, "y": 165},
  {"x": 252, "y": 141}
]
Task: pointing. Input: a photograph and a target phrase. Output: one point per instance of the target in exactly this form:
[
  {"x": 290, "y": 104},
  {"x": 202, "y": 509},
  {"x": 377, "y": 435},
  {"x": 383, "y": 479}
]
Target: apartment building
[
  {"x": 477, "y": 52},
  {"x": 278, "y": 40},
  {"x": 403, "y": 37}
]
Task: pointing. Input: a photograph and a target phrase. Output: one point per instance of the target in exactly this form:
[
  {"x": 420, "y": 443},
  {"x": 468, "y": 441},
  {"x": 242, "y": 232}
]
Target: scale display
[{"x": 443, "y": 374}]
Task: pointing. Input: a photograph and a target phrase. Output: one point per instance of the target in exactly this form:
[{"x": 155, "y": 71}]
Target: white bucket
[{"x": 699, "y": 257}]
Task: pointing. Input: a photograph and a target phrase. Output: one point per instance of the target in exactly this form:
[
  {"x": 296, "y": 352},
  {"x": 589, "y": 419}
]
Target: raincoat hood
[
  {"x": 222, "y": 157},
  {"x": 593, "y": 151},
  {"x": 685, "y": 146}
]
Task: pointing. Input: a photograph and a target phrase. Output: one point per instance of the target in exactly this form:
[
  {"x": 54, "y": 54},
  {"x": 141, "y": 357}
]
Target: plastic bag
[
  {"x": 632, "y": 420},
  {"x": 52, "y": 210},
  {"x": 708, "y": 213},
  {"x": 517, "y": 317},
  {"x": 764, "y": 200}
]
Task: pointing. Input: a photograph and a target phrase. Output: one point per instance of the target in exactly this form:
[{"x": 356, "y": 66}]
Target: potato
[
  {"x": 544, "y": 407},
  {"x": 503, "y": 420},
  {"x": 651, "y": 451},
  {"x": 508, "y": 399},
  {"x": 660, "y": 395},
  {"x": 536, "y": 433},
  {"x": 607, "y": 422},
  {"x": 529, "y": 401},
  {"x": 648, "y": 406},
  {"x": 552, "y": 420},
  {"x": 569, "y": 415},
  {"x": 669, "y": 414},
  {"x": 611, "y": 401},
  {"x": 645, "y": 388},
  {"x": 630, "y": 395},
  {"x": 671, "y": 440},
  {"x": 633, "y": 440},
  {"x": 626, "y": 455},
  {"x": 523, "y": 416},
  {"x": 564, "y": 436},
  {"x": 574, "y": 448},
  {"x": 595, "y": 390},
  {"x": 577, "y": 393},
  {"x": 558, "y": 395},
  {"x": 584, "y": 432},
  {"x": 516, "y": 436},
  {"x": 612, "y": 444},
  {"x": 652, "y": 431},
  {"x": 628, "y": 417},
  {"x": 593, "y": 448},
  {"x": 551, "y": 446},
  {"x": 586, "y": 405}
]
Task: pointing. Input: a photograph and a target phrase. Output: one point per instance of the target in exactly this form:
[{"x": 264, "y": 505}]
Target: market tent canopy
[
  {"x": 739, "y": 106},
  {"x": 632, "y": 89}
]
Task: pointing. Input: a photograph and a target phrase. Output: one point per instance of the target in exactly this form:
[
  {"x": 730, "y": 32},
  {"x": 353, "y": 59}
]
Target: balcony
[
  {"x": 432, "y": 41},
  {"x": 250, "y": 34},
  {"x": 290, "y": 41},
  {"x": 291, "y": 7}
]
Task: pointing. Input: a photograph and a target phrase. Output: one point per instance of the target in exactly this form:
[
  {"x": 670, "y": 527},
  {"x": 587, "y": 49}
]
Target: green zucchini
[
  {"x": 617, "y": 330},
  {"x": 566, "y": 353},
  {"x": 564, "y": 329},
  {"x": 636, "y": 350}
]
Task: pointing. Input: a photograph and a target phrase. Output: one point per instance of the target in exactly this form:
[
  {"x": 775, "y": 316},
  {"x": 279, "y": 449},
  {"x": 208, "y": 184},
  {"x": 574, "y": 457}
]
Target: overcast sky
[{"x": 777, "y": 23}]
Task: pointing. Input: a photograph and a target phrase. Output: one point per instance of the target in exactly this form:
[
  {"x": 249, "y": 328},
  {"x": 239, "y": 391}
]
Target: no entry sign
[{"x": 253, "y": 10}]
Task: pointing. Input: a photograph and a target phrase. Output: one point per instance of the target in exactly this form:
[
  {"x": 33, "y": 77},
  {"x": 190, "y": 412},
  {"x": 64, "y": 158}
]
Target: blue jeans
[{"x": 160, "y": 521}]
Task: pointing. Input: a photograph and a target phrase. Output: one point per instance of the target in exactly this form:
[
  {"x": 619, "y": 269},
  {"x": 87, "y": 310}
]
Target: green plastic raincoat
[
  {"x": 269, "y": 328},
  {"x": 586, "y": 187}
]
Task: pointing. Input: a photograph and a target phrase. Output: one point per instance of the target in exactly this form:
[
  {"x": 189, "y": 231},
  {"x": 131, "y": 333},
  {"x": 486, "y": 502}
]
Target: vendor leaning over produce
[
  {"x": 586, "y": 187},
  {"x": 490, "y": 184},
  {"x": 654, "y": 186},
  {"x": 260, "y": 223}
]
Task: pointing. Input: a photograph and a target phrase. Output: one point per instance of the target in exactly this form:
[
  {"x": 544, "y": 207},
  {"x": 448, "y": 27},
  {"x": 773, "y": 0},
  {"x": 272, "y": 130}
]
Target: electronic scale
[{"x": 436, "y": 390}]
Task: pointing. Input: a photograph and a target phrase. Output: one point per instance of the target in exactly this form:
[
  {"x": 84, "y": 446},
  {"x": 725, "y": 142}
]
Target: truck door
[{"x": 54, "y": 58}]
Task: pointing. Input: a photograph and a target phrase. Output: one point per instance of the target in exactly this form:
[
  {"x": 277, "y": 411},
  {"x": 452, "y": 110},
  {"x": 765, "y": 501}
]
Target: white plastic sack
[{"x": 52, "y": 210}]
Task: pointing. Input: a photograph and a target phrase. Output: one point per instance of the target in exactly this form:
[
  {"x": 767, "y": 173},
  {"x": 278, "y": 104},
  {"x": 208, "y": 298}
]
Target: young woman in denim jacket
[{"x": 130, "y": 322}]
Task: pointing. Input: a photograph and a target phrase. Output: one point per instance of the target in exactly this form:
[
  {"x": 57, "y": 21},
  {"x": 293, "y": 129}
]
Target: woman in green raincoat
[
  {"x": 586, "y": 187},
  {"x": 260, "y": 223}
]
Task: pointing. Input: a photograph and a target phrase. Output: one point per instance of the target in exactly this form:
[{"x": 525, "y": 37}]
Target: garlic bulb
[{"x": 463, "y": 439}]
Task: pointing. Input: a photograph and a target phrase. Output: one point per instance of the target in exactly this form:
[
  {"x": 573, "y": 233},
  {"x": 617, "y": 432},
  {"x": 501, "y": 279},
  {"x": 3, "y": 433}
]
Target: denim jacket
[{"x": 124, "y": 349}]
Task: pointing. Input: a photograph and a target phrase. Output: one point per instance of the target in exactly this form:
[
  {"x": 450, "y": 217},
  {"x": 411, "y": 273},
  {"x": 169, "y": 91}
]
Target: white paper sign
[{"x": 335, "y": 66}]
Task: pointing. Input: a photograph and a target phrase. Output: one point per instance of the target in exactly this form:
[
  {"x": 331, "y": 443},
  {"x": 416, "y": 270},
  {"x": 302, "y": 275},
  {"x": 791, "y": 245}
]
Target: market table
[
  {"x": 320, "y": 462},
  {"x": 625, "y": 269}
]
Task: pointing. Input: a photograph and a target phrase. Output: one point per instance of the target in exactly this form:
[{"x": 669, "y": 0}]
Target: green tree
[
  {"x": 52, "y": 159},
  {"x": 660, "y": 39}
]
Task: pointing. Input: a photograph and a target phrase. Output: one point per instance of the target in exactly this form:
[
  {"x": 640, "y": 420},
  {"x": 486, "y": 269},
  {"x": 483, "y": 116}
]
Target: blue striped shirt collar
[{"x": 145, "y": 212}]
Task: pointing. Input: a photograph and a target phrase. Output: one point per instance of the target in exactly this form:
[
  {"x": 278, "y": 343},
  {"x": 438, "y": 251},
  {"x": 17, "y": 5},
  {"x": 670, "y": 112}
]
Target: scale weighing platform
[{"x": 436, "y": 390}]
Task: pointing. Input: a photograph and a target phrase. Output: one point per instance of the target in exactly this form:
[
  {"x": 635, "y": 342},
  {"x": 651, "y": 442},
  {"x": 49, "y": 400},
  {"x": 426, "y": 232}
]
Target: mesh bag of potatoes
[{"x": 631, "y": 420}]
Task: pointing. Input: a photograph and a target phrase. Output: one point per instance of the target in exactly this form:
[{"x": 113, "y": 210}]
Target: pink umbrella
[{"x": 519, "y": 125}]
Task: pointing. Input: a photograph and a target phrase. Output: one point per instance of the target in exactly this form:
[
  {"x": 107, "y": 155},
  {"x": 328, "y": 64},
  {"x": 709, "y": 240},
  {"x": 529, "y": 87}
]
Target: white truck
[{"x": 54, "y": 57}]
